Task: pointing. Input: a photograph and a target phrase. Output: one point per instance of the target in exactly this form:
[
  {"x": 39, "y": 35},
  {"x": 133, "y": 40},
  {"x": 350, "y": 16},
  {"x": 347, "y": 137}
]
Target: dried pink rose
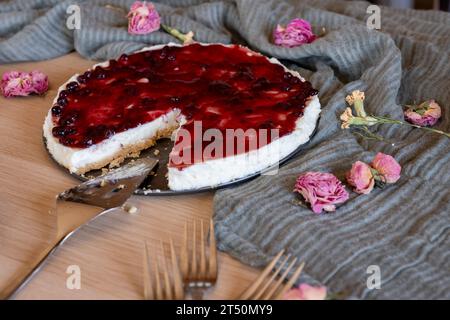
[
  {"x": 16, "y": 83},
  {"x": 306, "y": 292},
  {"x": 296, "y": 33},
  {"x": 143, "y": 18},
  {"x": 321, "y": 190},
  {"x": 388, "y": 170},
  {"x": 40, "y": 82},
  {"x": 425, "y": 114},
  {"x": 361, "y": 178}
]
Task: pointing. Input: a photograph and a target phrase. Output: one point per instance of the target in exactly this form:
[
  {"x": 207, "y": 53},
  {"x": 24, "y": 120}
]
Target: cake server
[{"x": 79, "y": 205}]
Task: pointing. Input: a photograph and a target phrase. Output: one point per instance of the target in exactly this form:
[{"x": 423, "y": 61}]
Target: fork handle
[
  {"x": 14, "y": 288},
  {"x": 197, "y": 293}
]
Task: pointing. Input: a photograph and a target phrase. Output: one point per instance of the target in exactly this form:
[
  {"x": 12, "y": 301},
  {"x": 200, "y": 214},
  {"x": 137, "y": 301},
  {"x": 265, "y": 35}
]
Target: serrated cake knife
[{"x": 81, "y": 204}]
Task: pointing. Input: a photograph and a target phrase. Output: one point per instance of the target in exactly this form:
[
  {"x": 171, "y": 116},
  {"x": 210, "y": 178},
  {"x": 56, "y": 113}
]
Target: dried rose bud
[
  {"x": 348, "y": 119},
  {"x": 356, "y": 99},
  {"x": 306, "y": 292},
  {"x": 361, "y": 178},
  {"x": 143, "y": 18},
  {"x": 322, "y": 190},
  {"x": 296, "y": 33},
  {"x": 425, "y": 114},
  {"x": 17, "y": 83},
  {"x": 388, "y": 169},
  {"x": 40, "y": 82}
]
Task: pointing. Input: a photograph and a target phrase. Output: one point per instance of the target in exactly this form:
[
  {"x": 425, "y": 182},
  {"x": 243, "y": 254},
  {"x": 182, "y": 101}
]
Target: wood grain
[{"x": 109, "y": 250}]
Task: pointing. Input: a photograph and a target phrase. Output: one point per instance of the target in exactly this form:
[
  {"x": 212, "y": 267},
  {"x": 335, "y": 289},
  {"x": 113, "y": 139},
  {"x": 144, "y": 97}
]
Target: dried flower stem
[
  {"x": 363, "y": 121},
  {"x": 185, "y": 38},
  {"x": 392, "y": 121},
  {"x": 367, "y": 134},
  {"x": 359, "y": 108}
]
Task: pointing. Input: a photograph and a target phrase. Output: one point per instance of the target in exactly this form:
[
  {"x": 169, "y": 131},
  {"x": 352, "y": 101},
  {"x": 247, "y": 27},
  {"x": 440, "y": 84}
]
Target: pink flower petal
[
  {"x": 361, "y": 178},
  {"x": 296, "y": 33},
  {"x": 143, "y": 18},
  {"x": 40, "y": 82},
  {"x": 321, "y": 190},
  {"x": 306, "y": 292},
  {"x": 17, "y": 83},
  {"x": 387, "y": 167},
  {"x": 428, "y": 118}
]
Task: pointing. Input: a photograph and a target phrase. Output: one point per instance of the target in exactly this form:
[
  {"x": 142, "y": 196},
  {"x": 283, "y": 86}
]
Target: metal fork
[
  {"x": 170, "y": 285},
  {"x": 266, "y": 286},
  {"x": 198, "y": 265}
]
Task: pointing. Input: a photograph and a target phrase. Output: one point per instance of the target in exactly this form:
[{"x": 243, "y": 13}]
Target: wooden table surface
[{"x": 108, "y": 250}]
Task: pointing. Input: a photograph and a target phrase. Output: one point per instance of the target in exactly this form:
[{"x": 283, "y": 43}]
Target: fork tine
[
  {"x": 202, "y": 273},
  {"x": 267, "y": 283},
  {"x": 280, "y": 280},
  {"x": 212, "y": 267},
  {"x": 291, "y": 281},
  {"x": 178, "y": 282},
  {"x": 184, "y": 254},
  {"x": 193, "y": 270},
  {"x": 167, "y": 284},
  {"x": 159, "y": 294},
  {"x": 251, "y": 290},
  {"x": 148, "y": 289}
]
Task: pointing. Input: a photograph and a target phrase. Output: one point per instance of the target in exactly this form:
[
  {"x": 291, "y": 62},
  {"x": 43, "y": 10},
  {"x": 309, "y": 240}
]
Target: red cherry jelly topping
[{"x": 224, "y": 87}]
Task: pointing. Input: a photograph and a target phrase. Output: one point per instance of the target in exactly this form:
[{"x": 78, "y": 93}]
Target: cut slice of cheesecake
[{"x": 231, "y": 112}]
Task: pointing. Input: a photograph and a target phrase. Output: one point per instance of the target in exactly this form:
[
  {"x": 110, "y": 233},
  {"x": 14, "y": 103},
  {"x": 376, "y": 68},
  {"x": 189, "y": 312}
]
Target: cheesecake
[{"x": 230, "y": 111}]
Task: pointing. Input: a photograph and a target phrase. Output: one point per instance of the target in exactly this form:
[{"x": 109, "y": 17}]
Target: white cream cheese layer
[
  {"x": 75, "y": 159},
  {"x": 218, "y": 171}
]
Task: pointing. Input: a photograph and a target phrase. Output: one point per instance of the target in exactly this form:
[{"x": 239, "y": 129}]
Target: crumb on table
[{"x": 130, "y": 208}]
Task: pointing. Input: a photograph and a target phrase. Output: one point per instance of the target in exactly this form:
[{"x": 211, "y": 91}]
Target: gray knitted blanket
[{"x": 403, "y": 229}]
